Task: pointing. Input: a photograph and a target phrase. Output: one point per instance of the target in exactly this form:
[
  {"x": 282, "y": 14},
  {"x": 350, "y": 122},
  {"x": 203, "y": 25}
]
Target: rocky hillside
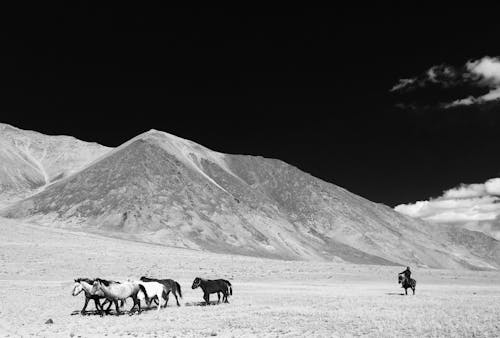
[
  {"x": 30, "y": 161},
  {"x": 164, "y": 189}
]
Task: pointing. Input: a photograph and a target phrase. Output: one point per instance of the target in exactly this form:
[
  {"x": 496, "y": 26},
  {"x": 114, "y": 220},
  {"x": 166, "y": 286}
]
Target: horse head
[
  {"x": 77, "y": 288},
  {"x": 96, "y": 286},
  {"x": 196, "y": 283}
]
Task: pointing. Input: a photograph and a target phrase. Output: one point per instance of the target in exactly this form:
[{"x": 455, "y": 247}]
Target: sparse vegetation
[{"x": 271, "y": 297}]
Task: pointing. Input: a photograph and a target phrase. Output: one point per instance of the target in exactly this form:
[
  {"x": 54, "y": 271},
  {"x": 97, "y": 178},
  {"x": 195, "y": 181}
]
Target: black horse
[
  {"x": 170, "y": 285},
  {"x": 407, "y": 283},
  {"x": 213, "y": 286}
]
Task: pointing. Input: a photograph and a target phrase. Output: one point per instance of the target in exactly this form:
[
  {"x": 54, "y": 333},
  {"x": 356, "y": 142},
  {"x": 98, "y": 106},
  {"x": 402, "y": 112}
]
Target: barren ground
[{"x": 271, "y": 297}]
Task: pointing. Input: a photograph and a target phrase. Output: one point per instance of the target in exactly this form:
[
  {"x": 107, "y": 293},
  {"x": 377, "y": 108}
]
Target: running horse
[{"x": 407, "y": 283}]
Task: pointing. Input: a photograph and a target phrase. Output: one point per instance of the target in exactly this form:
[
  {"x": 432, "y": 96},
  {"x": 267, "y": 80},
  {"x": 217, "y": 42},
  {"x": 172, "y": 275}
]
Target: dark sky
[{"x": 310, "y": 87}]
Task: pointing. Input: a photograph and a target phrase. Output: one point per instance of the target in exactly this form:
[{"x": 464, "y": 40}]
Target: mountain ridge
[
  {"x": 31, "y": 160},
  {"x": 161, "y": 188}
]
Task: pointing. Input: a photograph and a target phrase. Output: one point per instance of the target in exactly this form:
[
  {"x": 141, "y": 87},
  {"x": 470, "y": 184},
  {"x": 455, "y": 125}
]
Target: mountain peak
[
  {"x": 161, "y": 188},
  {"x": 31, "y": 160}
]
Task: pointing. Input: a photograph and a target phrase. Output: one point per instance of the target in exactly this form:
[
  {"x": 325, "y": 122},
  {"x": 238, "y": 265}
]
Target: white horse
[
  {"x": 119, "y": 291},
  {"x": 85, "y": 285},
  {"x": 154, "y": 289}
]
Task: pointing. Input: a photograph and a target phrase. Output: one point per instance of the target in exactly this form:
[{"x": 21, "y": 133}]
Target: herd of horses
[
  {"x": 149, "y": 289},
  {"x": 153, "y": 289}
]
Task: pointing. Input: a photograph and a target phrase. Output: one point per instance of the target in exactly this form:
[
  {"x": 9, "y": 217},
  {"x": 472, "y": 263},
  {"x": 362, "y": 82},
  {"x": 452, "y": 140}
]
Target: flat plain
[{"x": 271, "y": 298}]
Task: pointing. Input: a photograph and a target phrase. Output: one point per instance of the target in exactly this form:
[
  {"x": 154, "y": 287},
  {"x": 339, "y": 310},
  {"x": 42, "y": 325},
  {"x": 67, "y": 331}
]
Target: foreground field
[{"x": 271, "y": 297}]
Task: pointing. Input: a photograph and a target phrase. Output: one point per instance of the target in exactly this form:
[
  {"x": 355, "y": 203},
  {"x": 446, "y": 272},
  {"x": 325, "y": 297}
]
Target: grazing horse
[
  {"x": 154, "y": 289},
  {"x": 407, "y": 283},
  {"x": 170, "y": 285},
  {"x": 85, "y": 285},
  {"x": 213, "y": 286},
  {"x": 119, "y": 291}
]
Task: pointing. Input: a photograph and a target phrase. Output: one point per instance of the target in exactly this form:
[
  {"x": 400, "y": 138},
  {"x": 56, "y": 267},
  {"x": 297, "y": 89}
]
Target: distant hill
[
  {"x": 29, "y": 160},
  {"x": 164, "y": 189}
]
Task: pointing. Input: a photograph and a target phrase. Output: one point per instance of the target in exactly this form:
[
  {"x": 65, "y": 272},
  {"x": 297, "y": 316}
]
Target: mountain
[
  {"x": 30, "y": 160},
  {"x": 164, "y": 189}
]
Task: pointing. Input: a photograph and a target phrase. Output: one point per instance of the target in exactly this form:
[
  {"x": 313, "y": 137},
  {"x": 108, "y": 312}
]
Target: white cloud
[
  {"x": 402, "y": 83},
  {"x": 484, "y": 72},
  {"x": 462, "y": 102},
  {"x": 439, "y": 74},
  {"x": 461, "y": 216},
  {"x": 475, "y": 206},
  {"x": 431, "y": 74},
  {"x": 494, "y": 94},
  {"x": 465, "y": 191},
  {"x": 487, "y": 68},
  {"x": 493, "y": 186},
  {"x": 417, "y": 209}
]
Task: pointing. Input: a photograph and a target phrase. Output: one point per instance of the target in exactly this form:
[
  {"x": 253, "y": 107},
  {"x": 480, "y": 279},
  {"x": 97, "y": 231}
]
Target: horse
[
  {"x": 85, "y": 285},
  {"x": 115, "y": 291},
  {"x": 170, "y": 285},
  {"x": 407, "y": 284},
  {"x": 154, "y": 289},
  {"x": 213, "y": 286}
]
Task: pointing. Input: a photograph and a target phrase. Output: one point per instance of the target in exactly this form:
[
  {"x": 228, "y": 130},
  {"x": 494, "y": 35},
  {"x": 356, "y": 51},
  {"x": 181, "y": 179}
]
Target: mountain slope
[
  {"x": 164, "y": 189},
  {"x": 30, "y": 160}
]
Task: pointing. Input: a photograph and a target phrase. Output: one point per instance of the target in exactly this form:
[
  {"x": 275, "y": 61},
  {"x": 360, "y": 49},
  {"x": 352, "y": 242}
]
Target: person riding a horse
[
  {"x": 406, "y": 273},
  {"x": 404, "y": 278}
]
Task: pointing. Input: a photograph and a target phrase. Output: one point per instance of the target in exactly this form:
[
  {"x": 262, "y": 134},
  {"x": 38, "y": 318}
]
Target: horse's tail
[
  {"x": 179, "y": 289},
  {"x": 229, "y": 286},
  {"x": 143, "y": 289}
]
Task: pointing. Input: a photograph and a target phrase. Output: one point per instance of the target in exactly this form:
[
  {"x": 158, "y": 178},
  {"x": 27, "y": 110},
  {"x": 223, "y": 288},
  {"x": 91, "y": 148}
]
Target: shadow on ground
[
  {"x": 395, "y": 294},
  {"x": 202, "y": 303},
  {"x": 113, "y": 312}
]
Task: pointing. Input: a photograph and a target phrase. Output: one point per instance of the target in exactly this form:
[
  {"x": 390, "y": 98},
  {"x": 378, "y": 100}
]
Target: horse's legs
[
  {"x": 133, "y": 305},
  {"x": 224, "y": 300},
  {"x": 158, "y": 307},
  {"x": 110, "y": 303},
  {"x": 101, "y": 305},
  {"x": 406, "y": 291},
  {"x": 206, "y": 297},
  {"x": 117, "y": 307},
  {"x": 165, "y": 295},
  {"x": 218, "y": 297},
  {"x": 151, "y": 300},
  {"x": 85, "y": 306},
  {"x": 413, "y": 291},
  {"x": 100, "y": 309},
  {"x": 176, "y": 299},
  {"x": 98, "y": 305},
  {"x": 138, "y": 301}
]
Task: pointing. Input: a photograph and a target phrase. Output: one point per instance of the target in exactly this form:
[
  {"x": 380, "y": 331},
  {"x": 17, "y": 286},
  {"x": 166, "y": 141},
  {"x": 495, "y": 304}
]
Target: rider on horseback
[
  {"x": 404, "y": 278},
  {"x": 406, "y": 273}
]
